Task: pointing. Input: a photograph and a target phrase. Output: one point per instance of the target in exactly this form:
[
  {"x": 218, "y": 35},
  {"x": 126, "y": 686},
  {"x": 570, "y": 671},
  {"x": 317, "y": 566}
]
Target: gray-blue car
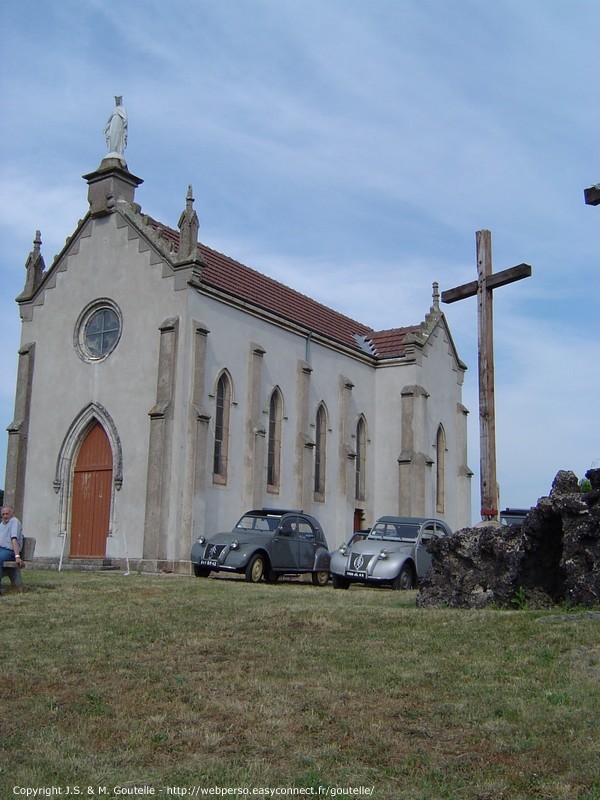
[
  {"x": 266, "y": 543},
  {"x": 393, "y": 554}
]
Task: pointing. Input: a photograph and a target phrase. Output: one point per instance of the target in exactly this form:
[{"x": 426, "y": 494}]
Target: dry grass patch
[{"x": 174, "y": 681}]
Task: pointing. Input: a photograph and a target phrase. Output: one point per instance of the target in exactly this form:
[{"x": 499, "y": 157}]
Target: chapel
[{"x": 194, "y": 388}]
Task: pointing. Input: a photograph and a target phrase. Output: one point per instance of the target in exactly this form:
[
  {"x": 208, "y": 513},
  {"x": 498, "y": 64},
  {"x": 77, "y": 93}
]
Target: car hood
[
  {"x": 241, "y": 536},
  {"x": 375, "y": 545}
]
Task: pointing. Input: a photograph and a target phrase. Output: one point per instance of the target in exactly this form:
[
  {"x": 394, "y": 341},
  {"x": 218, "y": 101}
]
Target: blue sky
[{"x": 351, "y": 149}]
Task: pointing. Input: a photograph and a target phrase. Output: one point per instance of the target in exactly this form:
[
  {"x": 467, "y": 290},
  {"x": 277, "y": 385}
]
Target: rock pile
[{"x": 552, "y": 557}]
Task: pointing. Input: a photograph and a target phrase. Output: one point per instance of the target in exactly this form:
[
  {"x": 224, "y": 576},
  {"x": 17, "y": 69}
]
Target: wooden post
[
  {"x": 483, "y": 287},
  {"x": 487, "y": 399}
]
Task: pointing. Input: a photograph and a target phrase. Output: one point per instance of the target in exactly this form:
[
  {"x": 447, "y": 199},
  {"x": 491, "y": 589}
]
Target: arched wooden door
[{"x": 92, "y": 482}]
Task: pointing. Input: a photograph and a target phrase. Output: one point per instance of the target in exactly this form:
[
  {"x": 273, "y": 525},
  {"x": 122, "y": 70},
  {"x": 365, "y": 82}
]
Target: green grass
[{"x": 165, "y": 681}]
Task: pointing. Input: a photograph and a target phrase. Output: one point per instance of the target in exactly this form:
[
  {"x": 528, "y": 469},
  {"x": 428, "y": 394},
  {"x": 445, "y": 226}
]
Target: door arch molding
[{"x": 65, "y": 463}]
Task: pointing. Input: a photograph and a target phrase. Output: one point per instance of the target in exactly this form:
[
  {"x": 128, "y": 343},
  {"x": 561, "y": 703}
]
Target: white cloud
[{"x": 28, "y": 203}]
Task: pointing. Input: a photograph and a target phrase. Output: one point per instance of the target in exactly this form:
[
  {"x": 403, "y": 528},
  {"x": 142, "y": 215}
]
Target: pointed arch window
[
  {"x": 274, "y": 443},
  {"x": 361, "y": 458},
  {"x": 221, "y": 446},
  {"x": 440, "y": 477},
  {"x": 320, "y": 452}
]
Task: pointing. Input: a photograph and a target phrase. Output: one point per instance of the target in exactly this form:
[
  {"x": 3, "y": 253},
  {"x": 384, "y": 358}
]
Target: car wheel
[
  {"x": 339, "y": 582},
  {"x": 320, "y": 578},
  {"x": 255, "y": 569},
  {"x": 201, "y": 572},
  {"x": 404, "y": 579}
]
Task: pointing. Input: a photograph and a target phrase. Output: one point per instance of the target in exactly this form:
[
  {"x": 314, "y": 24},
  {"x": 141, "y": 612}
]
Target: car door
[
  {"x": 306, "y": 544},
  {"x": 284, "y": 546}
]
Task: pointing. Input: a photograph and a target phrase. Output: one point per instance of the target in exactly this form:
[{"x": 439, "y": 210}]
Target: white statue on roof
[{"x": 116, "y": 130}]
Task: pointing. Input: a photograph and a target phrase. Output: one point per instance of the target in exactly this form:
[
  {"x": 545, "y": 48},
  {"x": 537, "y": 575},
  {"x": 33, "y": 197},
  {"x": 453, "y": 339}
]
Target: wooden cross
[{"x": 483, "y": 287}]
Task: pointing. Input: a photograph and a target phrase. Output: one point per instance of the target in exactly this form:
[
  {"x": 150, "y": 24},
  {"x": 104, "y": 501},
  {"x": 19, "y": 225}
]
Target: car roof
[
  {"x": 409, "y": 520},
  {"x": 273, "y": 512}
]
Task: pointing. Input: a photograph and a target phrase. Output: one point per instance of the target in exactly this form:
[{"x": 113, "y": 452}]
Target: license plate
[
  {"x": 209, "y": 562},
  {"x": 357, "y": 568}
]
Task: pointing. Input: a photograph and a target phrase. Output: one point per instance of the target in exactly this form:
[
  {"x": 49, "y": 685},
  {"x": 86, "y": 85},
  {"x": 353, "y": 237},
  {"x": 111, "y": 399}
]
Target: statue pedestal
[{"x": 109, "y": 184}]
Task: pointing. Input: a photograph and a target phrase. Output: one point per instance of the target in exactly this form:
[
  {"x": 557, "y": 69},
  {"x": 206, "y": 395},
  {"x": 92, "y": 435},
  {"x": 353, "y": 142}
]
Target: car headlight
[
  {"x": 235, "y": 544},
  {"x": 344, "y": 549},
  {"x": 201, "y": 539},
  {"x": 384, "y": 553}
]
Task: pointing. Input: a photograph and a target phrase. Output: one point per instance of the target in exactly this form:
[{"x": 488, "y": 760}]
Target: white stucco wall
[{"x": 228, "y": 345}]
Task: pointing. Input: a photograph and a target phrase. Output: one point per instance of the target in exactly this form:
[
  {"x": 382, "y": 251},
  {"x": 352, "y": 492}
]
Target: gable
[{"x": 228, "y": 277}]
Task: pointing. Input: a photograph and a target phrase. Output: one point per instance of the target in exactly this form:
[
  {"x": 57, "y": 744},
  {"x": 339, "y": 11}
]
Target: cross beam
[{"x": 483, "y": 287}]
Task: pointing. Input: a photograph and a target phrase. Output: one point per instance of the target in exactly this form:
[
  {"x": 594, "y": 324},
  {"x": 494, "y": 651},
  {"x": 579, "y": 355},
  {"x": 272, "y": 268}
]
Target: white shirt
[{"x": 11, "y": 530}]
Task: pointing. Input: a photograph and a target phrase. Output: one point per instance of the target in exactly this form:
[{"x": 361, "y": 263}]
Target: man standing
[{"x": 11, "y": 539}]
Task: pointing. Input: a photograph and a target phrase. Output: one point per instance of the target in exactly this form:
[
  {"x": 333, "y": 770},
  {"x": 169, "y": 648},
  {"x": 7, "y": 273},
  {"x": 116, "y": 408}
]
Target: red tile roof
[{"x": 230, "y": 276}]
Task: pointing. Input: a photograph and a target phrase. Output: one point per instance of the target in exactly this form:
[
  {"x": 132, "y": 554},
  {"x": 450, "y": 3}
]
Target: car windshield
[
  {"x": 258, "y": 523},
  {"x": 394, "y": 530}
]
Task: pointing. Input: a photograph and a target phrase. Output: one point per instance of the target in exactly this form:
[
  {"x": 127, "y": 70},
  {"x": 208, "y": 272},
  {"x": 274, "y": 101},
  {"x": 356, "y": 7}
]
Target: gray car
[
  {"x": 394, "y": 553},
  {"x": 266, "y": 543}
]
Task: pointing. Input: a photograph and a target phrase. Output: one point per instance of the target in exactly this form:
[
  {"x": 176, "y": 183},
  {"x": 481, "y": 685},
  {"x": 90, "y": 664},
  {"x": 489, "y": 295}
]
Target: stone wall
[{"x": 553, "y": 557}]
